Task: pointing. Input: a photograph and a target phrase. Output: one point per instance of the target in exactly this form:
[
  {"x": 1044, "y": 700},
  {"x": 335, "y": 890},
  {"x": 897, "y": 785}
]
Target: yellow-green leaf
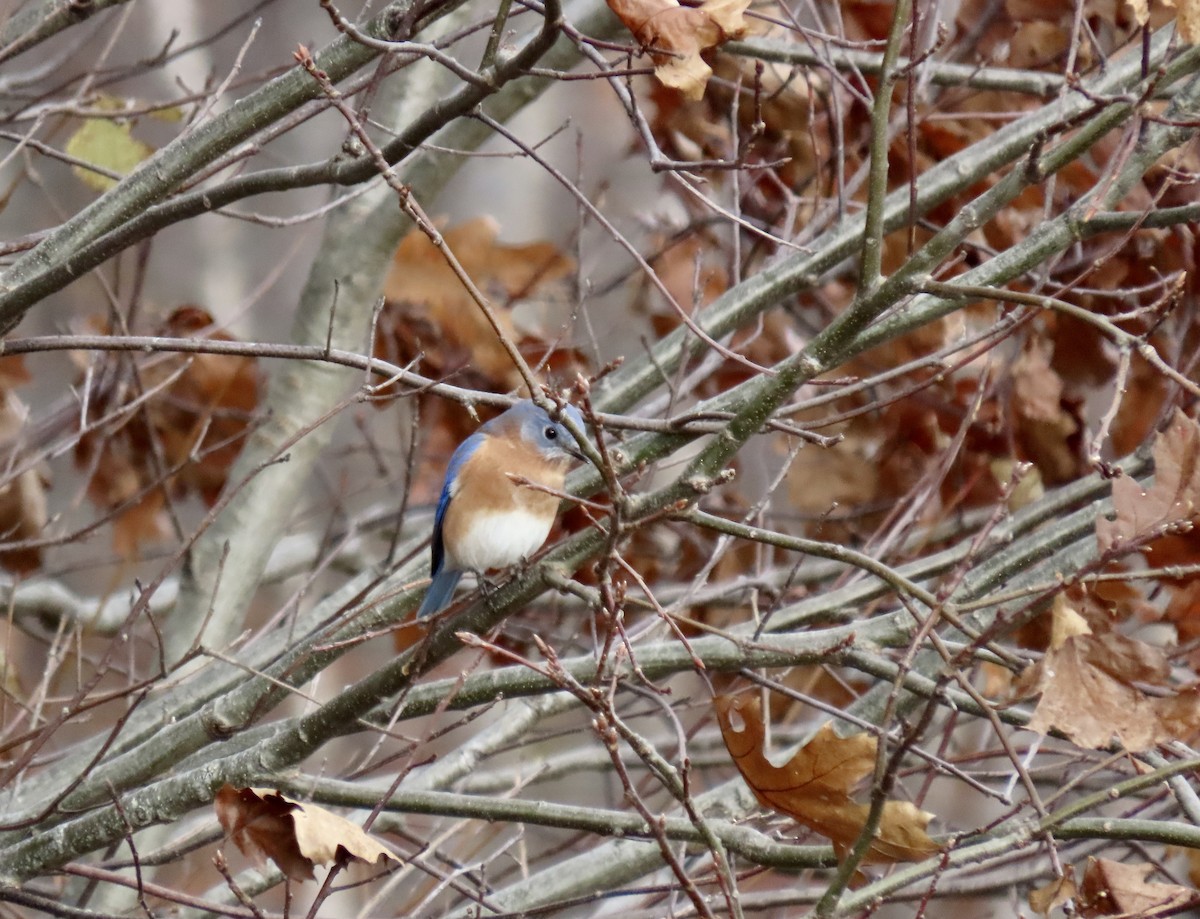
[
  {"x": 109, "y": 145},
  {"x": 172, "y": 114}
]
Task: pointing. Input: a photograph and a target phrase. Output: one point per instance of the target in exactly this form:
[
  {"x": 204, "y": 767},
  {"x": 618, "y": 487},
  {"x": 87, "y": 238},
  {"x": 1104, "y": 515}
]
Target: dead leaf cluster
[
  {"x": 170, "y": 427},
  {"x": 676, "y": 35},
  {"x": 430, "y": 312}
]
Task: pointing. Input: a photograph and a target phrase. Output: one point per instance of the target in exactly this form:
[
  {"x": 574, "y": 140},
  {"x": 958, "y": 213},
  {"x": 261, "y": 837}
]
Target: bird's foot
[{"x": 488, "y": 586}]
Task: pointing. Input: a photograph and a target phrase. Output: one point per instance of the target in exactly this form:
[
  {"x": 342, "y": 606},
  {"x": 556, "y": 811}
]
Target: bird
[{"x": 486, "y": 520}]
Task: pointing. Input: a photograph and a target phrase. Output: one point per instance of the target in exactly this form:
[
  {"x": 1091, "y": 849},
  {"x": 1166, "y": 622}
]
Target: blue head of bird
[{"x": 551, "y": 437}]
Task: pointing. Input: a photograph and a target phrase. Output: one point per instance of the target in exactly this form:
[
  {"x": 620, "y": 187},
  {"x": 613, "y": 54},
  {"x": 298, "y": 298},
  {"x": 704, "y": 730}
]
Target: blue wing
[{"x": 442, "y": 588}]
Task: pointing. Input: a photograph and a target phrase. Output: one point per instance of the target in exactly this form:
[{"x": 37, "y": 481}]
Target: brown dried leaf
[
  {"x": 1076, "y": 611},
  {"x": 195, "y": 423},
  {"x": 143, "y": 521},
  {"x": 1192, "y": 856},
  {"x": 690, "y": 268},
  {"x": 1173, "y": 498},
  {"x": 1184, "y": 611},
  {"x": 1038, "y": 388},
  {"x": 1088, "y": 694},
  {"x": 814, "y": 786},
  {"x": 676, "y": 35},
  {"x": 1036, "y": 43},
  {"x": 1141, "y": 10},
  {"x": 1145, "y": 392},
  {"x": 13, "y": 371},
  {"x": 452, "y": 325},
  {"x": 843, "y": 475},
  {"x": 1056, "y": 893},
  {"x": 294, "y": 835},
  {"x": 781, "y": 120},
  {"x": 1029, "y": 485},
  {"x": 1045, "y": 429},
  {"x": 23, "y": 509},
  {"x": 207, "y": 411},
  {"x": 1187, "y": 17},
  {"x": 1113, "y": 889},
  {"x": 1065, "y": 622},
  {"x": 23, "y": 515}
]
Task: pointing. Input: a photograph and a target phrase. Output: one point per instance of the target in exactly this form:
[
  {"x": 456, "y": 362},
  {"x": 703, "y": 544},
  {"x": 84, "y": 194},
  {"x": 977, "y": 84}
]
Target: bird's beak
[{"x": 574, "y": 450}]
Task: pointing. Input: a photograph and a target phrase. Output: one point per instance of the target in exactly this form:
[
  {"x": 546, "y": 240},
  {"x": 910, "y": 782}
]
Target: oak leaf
[
  {"x": 1114, "y": 889},
  {"x": 1173, "y": 500},
  {"x": 814, "y": 786},
  {"x": 1088, "y": 693},
  {"x": 295, "y": 835},
  {"x": 675, "y": 35}
]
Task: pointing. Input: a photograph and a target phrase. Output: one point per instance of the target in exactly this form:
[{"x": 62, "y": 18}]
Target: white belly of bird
[{"x": 500, "y": 539}]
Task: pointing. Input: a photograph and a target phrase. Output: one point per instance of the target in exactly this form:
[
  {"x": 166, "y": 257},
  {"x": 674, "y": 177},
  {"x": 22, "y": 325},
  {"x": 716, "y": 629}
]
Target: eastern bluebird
[{"x": 486, "y": 520}]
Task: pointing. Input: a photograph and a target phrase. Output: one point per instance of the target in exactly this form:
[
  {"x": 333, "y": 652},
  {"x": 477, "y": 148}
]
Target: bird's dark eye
[{"x": 551, "y": 433}]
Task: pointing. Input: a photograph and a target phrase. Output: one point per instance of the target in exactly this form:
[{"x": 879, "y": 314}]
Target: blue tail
[{"x": 438, "y": 596}]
